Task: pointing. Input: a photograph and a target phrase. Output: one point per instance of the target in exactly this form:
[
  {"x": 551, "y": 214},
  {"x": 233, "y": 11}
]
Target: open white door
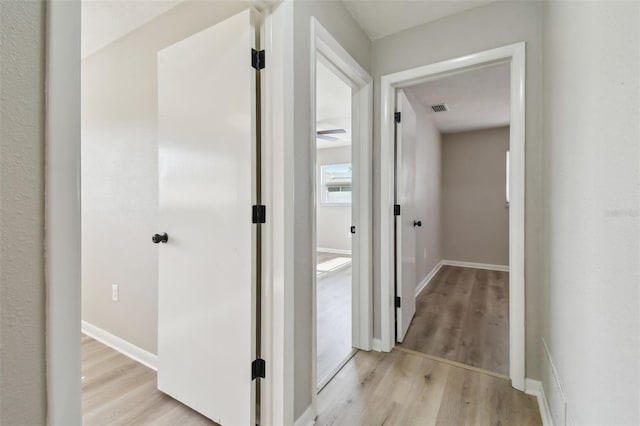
[
  {"x": 207, "y": 186},
  {"x": 405, "y": 233}
]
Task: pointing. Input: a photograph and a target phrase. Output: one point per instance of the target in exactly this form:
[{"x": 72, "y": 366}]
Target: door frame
[
  {"x": 515, "y": 55},
  {"x": 63, "y": 214},
  {"x": 325, "y": 48}
]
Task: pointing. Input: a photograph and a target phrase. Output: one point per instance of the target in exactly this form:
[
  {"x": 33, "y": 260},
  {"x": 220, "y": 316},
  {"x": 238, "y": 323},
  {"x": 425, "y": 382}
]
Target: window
[
  {"x": 507, "y": 186},
  {"x": 335, "y": 184}
]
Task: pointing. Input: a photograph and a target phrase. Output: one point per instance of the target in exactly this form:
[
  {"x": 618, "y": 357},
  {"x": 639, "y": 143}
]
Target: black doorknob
[
  {"x": 160, "y": 238},
  {"x": 417, "y": 223}
]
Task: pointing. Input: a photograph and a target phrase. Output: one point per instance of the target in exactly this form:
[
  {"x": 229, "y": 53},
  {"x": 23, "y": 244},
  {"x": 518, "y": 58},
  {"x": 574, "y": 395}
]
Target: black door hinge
[
  {"x": 398, "y": 304},
  {"x": 397, "y": 117},
  {"x": 259, "y": 214},
  {"x": 257, "y": 59},
  {"x": 353, "y": 229},
  {"x": 396, "y": 209},
  {"x": 258, "y": 368}
]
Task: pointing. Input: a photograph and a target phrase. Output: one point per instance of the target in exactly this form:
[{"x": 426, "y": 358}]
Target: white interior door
[
  {"x": 405, "y": 233},
  {"x": 207, "y": 185}
]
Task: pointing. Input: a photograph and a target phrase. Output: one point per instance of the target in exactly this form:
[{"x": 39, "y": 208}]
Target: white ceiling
[
  {"x": 477, "y": 99},
  {"x": 333, "y": 107},
  {"x": 104, "y": 21},
  {"x": 380, "y": 18}
]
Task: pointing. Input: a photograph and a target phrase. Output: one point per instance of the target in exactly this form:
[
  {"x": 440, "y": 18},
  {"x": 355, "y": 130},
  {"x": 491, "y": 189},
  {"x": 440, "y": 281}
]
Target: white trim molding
[
  {"x": 376, "y": 345},
  {"x": 514, "y": 55},
  {"x": 333, "y": 251},
  {"x": 62, "y": 212},
  {"x": 534, "y": 387},
  {"x": 487, "y": 266},
  {"x": 555, "y": 396},
  {"x": 428, "y": 278},
  {"x": 307, "y": 418},
  {"x": 325, "y": 49},
  {"x": 277, "y": 404},
  {"x": 119, "y": 344}
]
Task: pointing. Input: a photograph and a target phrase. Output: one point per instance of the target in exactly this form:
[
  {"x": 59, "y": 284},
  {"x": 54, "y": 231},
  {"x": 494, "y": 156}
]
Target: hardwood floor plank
[
  {"x": 427, "y": 392},
  {"x": 472, "y": 340},
  {"x": 497, "y": 325},
  {"x": 460, "y": 399}
]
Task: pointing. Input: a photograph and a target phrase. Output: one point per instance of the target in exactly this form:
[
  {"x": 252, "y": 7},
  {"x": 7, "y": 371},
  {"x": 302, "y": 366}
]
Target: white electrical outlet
[{"x": 115, "y": 292}]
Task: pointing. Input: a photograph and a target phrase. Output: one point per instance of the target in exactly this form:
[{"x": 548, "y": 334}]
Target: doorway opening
[
  {"x": 341, "y": 109},
  {"x": 452, "y": 233},
  {"x": 334, "y": 199},
  {"x": 410, "y": 260}
]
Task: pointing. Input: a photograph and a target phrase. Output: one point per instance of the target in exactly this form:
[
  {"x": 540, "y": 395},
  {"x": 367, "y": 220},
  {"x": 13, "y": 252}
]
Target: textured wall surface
[
  {"x": 22, "y": 288},
  {"x": 591, "y": 309}
]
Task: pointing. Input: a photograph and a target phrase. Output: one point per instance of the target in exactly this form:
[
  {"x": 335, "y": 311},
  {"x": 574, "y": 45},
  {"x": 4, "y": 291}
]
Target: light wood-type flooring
[
  {"x": 333, "y": 312},
  {"x": 463, "y": 316},
  {"x": 397, "y": 388},
  {"x": 119, "y": 391},
  {"x": 402, "y": 388}
]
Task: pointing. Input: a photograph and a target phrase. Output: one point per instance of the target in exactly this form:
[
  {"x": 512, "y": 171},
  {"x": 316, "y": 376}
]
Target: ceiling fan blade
[
  {"x": 326, "y": 138},
  {"x": 331, "y": 132}
]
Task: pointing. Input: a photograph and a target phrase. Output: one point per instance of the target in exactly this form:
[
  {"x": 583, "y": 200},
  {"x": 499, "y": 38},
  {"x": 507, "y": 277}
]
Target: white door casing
[
  {"x": 515, "y": 54},
  {"x": 405, "y": 232},
  {"x": 326, "y": 48},
  {"x": 207, "y": 185}
]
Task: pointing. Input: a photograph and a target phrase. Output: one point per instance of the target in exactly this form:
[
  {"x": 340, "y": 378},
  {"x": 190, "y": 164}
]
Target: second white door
[{"x": 405, "y": 233}]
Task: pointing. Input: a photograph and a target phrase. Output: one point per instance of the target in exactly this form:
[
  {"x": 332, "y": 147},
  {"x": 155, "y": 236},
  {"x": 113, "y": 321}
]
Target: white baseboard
[
  {"x": 334, "y": 251},
  {"x": 556, "y": 400},
  {"x": 428, "y": 278},
  {"x": 534, "y": 387},
  {"x": 125, "y": 348},
  {"x": 487, "y": 266},
  {"x": 307, "y": 418}
]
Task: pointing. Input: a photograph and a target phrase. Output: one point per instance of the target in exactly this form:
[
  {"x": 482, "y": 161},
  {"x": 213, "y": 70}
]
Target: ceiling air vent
[{"x": 439, "y": 108}]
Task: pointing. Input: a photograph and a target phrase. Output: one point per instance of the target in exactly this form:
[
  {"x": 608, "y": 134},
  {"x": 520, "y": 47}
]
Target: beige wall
[
  {"x": 120, "y": 171},
  {"x": 335, "y": 18},
  {"x": 333, "y": 222},
  {"x": 591, "y": 310},
  {"x": 427, "y": 191},
  {"x": 487, "y": 27},
  {"x": 475, "y": 218},
  {"x": 22, "y": 283}
]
